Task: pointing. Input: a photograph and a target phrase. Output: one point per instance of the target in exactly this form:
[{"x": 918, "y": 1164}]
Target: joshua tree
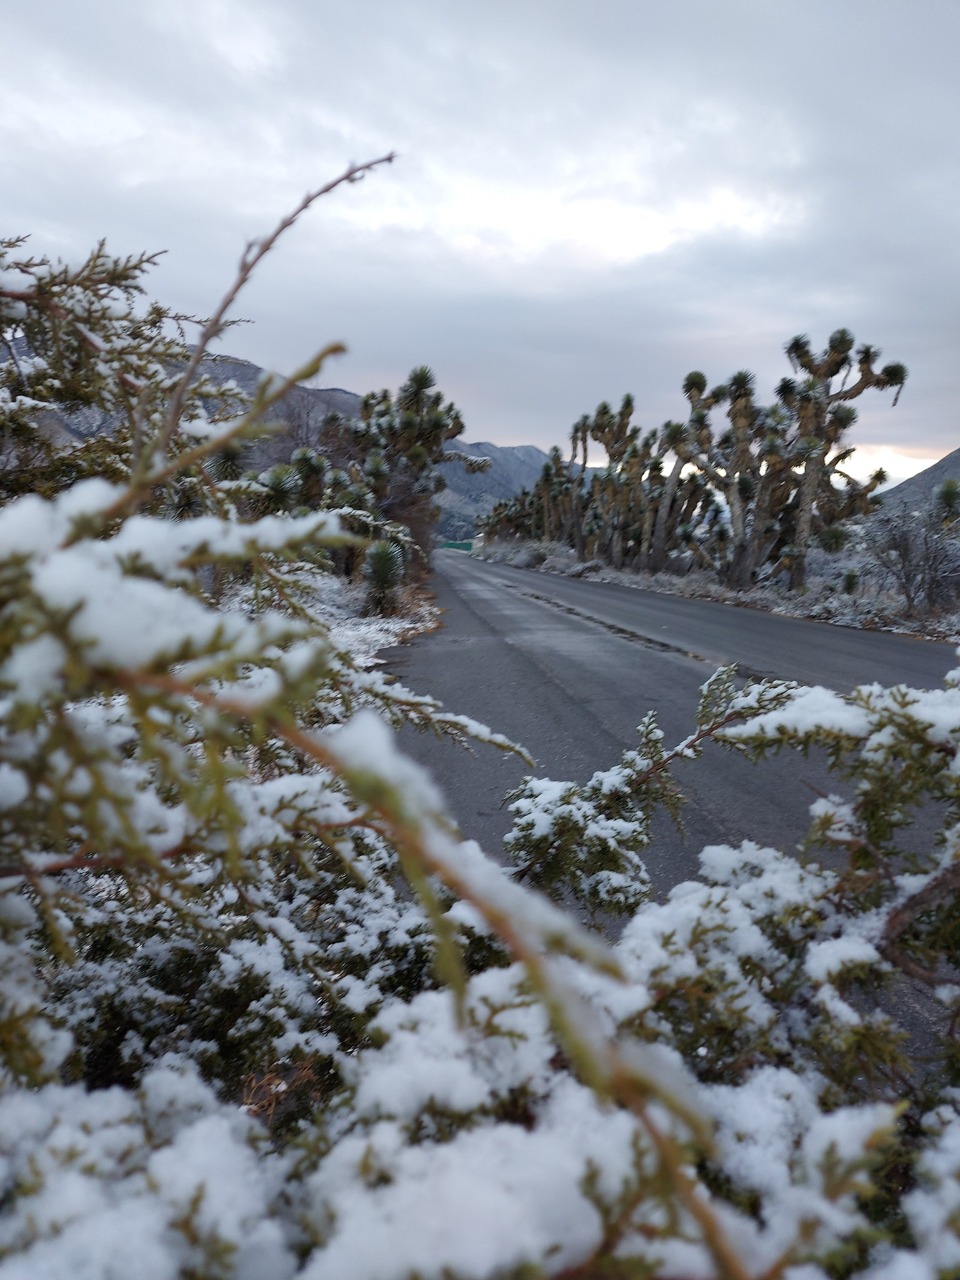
[
  {"x": 552, "y": 517},
  {"x": 615, "y": 495},
  {"x": 407, "y": 437},
  {"x": 671, "y": 440},
  {"x": 733, "y": 463},
  {"x": 775, "y": 467},
  {"x": 579, "y": 441},
  {"x": 820, "y": 413},
  {"x": 674, "y": 498}
]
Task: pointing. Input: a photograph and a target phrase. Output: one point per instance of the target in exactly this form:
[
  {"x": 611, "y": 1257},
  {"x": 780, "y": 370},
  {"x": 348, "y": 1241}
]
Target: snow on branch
[{"x": 266, "y": 1012}]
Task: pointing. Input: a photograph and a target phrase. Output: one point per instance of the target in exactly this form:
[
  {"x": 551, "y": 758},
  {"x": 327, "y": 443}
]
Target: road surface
[{"x": 569, "y": 668}]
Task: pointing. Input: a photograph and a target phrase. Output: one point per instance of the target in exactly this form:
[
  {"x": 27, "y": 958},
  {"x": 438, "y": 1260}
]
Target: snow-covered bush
[
  {"x": 551, "y": 556},
  {"x": 263, "y": 1013},
  {"x": 383, "y": 571},
  {"x": 918, "y": 552}
]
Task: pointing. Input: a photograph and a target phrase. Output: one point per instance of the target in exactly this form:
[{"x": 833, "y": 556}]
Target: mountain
[
  {"x": 923, "y": 487},
  {"x": 299, "y": 418},
  {"x": 315, "y": 401},
  {"x": 467, "y": 498}
]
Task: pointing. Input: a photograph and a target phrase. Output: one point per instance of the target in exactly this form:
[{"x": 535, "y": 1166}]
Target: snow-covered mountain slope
[
  {"x": 924, "y": 486},
  {"x": 467, "y": 498}
]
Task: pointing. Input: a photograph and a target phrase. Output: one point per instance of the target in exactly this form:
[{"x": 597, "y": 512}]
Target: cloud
[{"x": 589, "y": 199}]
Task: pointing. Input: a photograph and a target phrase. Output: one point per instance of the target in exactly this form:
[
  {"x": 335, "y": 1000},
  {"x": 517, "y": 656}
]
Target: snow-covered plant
[
  {"x": 407, "y": 437},
  {"x": 383, "y": 571},
  {"x": 264, "y": 1013},
  {"x": 918, "y": 552},
  {"x": 587, "y": 840}
]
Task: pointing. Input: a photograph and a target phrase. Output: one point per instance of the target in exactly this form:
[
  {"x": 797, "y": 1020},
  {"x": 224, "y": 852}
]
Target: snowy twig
[
  {"x": 252, "y": 255},
  {"x": 938, "y": 891}
]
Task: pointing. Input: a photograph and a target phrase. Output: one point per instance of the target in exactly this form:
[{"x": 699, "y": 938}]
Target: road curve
[{"x": 569, "y": 667}]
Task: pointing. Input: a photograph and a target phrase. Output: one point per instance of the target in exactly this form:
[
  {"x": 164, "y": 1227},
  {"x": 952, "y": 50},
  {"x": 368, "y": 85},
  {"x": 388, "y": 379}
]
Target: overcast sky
[{"x": 590, "y": 197}]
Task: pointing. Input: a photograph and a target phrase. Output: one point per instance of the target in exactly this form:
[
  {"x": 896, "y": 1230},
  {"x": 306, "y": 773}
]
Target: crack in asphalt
[{"x": 637, "y": 637}]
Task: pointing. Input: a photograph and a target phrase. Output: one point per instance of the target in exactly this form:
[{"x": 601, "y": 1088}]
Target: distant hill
[
  {"x": 318, "y": 401},
  {"x": 922, "y": 488},
  {"x": 468, "y": 498},
  {"x": 301, "y": 414}
]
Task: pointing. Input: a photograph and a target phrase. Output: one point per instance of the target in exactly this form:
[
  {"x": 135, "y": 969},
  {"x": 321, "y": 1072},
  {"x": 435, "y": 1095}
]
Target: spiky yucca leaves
[
  {"x": 406, "y": 437},
  {"x": 383, "y": 572}
]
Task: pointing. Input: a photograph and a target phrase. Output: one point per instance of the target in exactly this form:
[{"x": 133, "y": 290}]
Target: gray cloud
[{"x": 543, "y": 150}]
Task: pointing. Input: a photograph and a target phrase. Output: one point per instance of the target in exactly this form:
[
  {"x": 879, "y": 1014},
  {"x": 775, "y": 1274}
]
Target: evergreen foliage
[
  {"x": 383, "y": 570},
  {"x": 263, "y": 1013}
]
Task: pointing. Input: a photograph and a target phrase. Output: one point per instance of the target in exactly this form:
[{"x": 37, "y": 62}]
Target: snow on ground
[
  {"x": 866, "y": 605},
  {"x": 340, "y": 604}
]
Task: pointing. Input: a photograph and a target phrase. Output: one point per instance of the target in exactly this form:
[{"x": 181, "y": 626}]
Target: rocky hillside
[
  {"x": 298, "y": 421},
  {"x": 298, "y": 417},
  {"x": 465, "y": 499},
  {"x": 468, "y": 498},
  {"x": 923, "y": 487}
]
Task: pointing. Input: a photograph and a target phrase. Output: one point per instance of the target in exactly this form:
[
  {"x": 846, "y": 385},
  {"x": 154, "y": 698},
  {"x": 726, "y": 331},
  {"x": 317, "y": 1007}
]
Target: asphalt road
[{"x": 569, "y": 668}]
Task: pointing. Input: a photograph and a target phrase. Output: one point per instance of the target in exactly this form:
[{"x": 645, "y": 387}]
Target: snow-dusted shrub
[
  {"x": 552, "y": 556},
  {"x": 584, "y": 568},
  {"x": 918, "y": 555},
  {"x": 383, "y": 571},
  {"x": 263, "y": 1013}
]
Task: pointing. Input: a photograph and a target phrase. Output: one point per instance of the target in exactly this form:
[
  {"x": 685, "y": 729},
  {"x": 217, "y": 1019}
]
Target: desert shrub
[
  {"x": 833, "y": 538},
  {"x": 915, "y": 553},
  {"x": 948, "y": 500},
  {"x": 383, "y": 571}
]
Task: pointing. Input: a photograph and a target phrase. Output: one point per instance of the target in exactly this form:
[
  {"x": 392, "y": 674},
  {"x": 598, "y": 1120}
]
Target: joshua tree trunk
[
  {"x": 809, "y": 484},
  {"x": 577, "y": 497},
  {"x": 662, "y": 528},
  {"x": 740, "y": 572}
]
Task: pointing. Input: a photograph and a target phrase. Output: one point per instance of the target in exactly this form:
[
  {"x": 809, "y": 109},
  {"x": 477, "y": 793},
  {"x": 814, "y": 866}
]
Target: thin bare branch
[{"x": 252, "y": 255}]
